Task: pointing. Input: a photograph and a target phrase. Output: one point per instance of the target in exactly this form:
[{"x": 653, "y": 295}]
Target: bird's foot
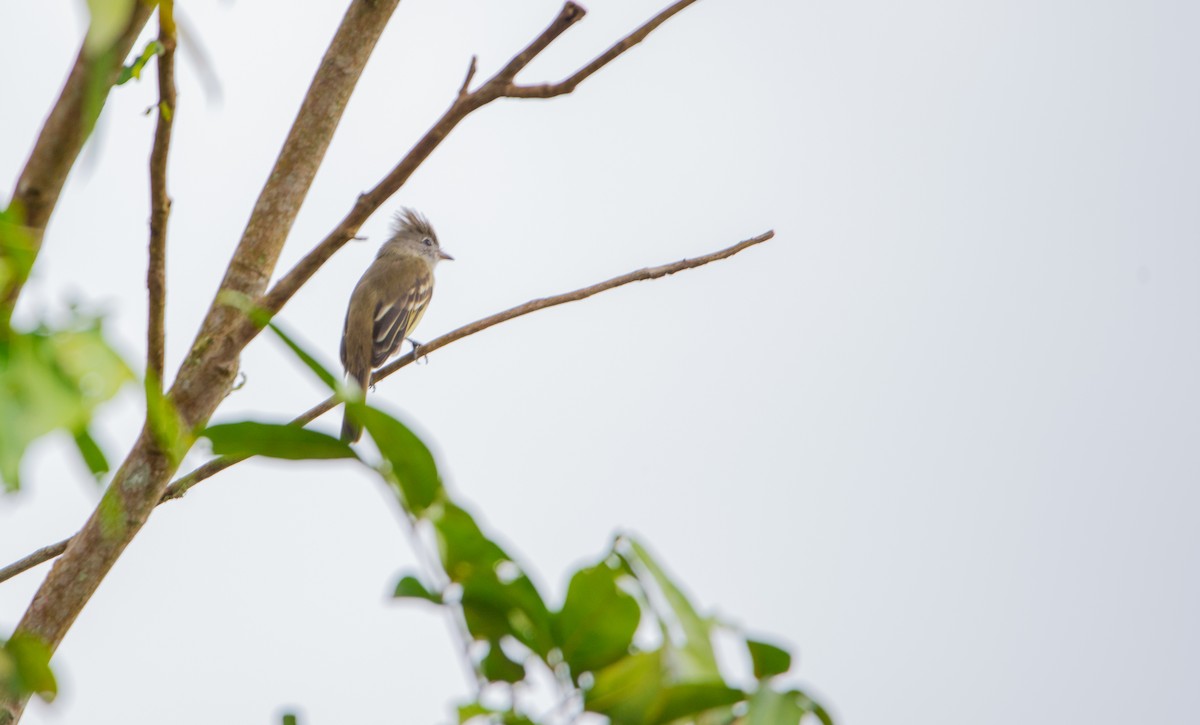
[{"x": 417, "y": 356}]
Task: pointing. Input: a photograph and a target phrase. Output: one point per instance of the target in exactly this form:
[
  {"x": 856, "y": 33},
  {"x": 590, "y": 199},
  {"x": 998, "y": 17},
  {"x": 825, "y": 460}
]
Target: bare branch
[
  {"x": 160, "y": 202},
  {"x": 561, "y": 299},
  {"x": 184, "y": 483},
  {"x": 46, "y": 553},
  {"x": 549, "y": 90},
  {"x": 181, "y": 486},
  {"x": 211, "y": 367},
  {"x": 568, "y": 16},
  {"x": 60, "y": 140},
  {"x": 465, "y": 89},
  {"x": 499, "y": 86}
]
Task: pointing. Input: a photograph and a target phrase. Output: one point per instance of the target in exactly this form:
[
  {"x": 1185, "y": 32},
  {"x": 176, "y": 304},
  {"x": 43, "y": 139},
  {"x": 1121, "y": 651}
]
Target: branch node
[{"x": 465, "y": 90}]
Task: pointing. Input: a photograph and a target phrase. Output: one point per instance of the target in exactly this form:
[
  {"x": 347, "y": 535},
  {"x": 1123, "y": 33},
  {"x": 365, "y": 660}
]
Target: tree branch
[
  {"x": 160, "y": 202},
  {"x": 212, "y": 364},
  {"x": 549, "y": 90},
  {"x": 465, "y": 89},
  {"x": 184, "y": 483},
  {"x": 58, "y": 145},
  {"x": 568, "y": 16},
  {"x": 501, "y": 85},
  {"x": 46, "y": 553}
]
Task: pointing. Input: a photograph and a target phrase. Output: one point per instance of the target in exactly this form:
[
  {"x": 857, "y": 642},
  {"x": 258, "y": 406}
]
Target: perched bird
[{"x": 387, "y": 303}]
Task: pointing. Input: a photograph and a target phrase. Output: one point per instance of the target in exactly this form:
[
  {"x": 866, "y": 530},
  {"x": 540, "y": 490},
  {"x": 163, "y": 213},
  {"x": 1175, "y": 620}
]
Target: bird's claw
[{"x": 417, "y": 356}]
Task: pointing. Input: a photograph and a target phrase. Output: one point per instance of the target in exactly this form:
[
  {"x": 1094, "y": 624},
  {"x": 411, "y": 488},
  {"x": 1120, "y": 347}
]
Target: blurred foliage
[
  {"x": 53, "y": 378},
  {"x": 17, "y": 249},
  {"x": 133, "y": 71},
  {"x": 109, "y": 18},
  {"x": 588, "y": 645},
  {"x": 274, "y": 440},
  {"x": 25, "y": 668}
]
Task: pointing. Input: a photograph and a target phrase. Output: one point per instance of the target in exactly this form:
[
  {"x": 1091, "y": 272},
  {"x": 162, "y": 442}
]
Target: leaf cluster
[{"x": 588, "y": 643}]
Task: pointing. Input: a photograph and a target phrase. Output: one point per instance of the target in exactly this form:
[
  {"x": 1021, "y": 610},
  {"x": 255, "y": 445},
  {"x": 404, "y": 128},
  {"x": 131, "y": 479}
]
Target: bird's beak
[{"x": 443, "y": 255}]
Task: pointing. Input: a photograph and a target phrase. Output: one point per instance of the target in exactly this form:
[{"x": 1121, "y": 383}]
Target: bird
[{"x": 388, "y": 302}]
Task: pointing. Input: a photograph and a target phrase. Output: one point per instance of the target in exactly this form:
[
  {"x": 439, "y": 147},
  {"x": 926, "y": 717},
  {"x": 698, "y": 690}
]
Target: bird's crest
[{"x": 411, "y": 221}]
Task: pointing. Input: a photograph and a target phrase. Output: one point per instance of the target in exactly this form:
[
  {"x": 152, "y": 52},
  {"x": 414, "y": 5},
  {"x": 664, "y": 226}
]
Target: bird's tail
[{"x": 352, "y": 430}]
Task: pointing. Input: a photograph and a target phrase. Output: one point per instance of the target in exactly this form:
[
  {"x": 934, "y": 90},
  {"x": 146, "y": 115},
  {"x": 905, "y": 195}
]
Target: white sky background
[{"x": 939, "y": 435}]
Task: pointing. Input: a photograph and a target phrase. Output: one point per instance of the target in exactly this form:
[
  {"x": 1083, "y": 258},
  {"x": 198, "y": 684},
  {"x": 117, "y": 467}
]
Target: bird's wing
[{"x": 395, "y": 318}]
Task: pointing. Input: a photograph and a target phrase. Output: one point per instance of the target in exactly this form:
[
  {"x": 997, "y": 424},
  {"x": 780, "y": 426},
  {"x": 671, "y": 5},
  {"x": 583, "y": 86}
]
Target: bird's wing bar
[{"x": 394, "y": 322}]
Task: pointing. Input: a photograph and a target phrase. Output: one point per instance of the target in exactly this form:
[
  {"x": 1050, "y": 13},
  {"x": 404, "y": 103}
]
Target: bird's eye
[{"x": 428, "y": 242}]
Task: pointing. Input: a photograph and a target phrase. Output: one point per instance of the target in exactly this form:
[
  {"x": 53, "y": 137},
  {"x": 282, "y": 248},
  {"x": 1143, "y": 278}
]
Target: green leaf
[
  {"x": 625, "y": 691},
  {"x": 474, "y": 710},
  {"x": 633, "y": 690},
  {"x": 412, "y": 467},
  {"x": 498, "y": 598},
  {"x": 471, "y": 710},
  {"x": 311, "y": 362},
  {"x": 462, "y": 546},
  {"x": 17, "y": 247},
  {"x": 134, "y": 69},
  {"x": 172, "y": 434},
  {"x": 52, "y": 379},
  {"x": 688, "y": 649},
  {"x": 109, "y": 20},
  {"x": 486, "y": 609},
  {"x": 90, "y": 451},
  {"x": 807, "y": 704},
  {"x": 680, "y": 701},
  {"x": 409, "y": 587},
  {"x": 768, "y": 659},
  {"x": 497, "y": 667},
  {"x": 274, "y": 440},
  {"x": 25, "y": 667},
  {"x": 494, "y": 608},
  {"x": 289, "y": 718},
  {"x": 596, "y": 624},
  {"x": 262, "y": 318},
  {"x": 770, "y": 707}
]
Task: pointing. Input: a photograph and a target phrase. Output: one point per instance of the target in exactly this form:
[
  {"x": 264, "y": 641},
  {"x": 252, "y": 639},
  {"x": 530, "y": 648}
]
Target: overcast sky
[{"x": 939, "y": 435}]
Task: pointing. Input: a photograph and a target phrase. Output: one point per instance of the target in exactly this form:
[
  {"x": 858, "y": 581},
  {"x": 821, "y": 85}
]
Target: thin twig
[
  {"x": 549, "y": 90},
  {"x": 184, "y": 483},
  {"x": 501, "y": 85},
  {"x": 46, "y": 553},
  {"x": 160, "y": 202},
  {"x": 465, "y": 89},
  {"x": 568, "y": 16}
]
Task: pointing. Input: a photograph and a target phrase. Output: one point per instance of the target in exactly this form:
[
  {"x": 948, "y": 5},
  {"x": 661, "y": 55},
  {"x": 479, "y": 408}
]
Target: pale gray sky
[{"x": 939, "y": 435}]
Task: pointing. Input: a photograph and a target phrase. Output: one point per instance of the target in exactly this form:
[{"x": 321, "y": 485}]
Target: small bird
[{"x": 387, "y": 303}]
